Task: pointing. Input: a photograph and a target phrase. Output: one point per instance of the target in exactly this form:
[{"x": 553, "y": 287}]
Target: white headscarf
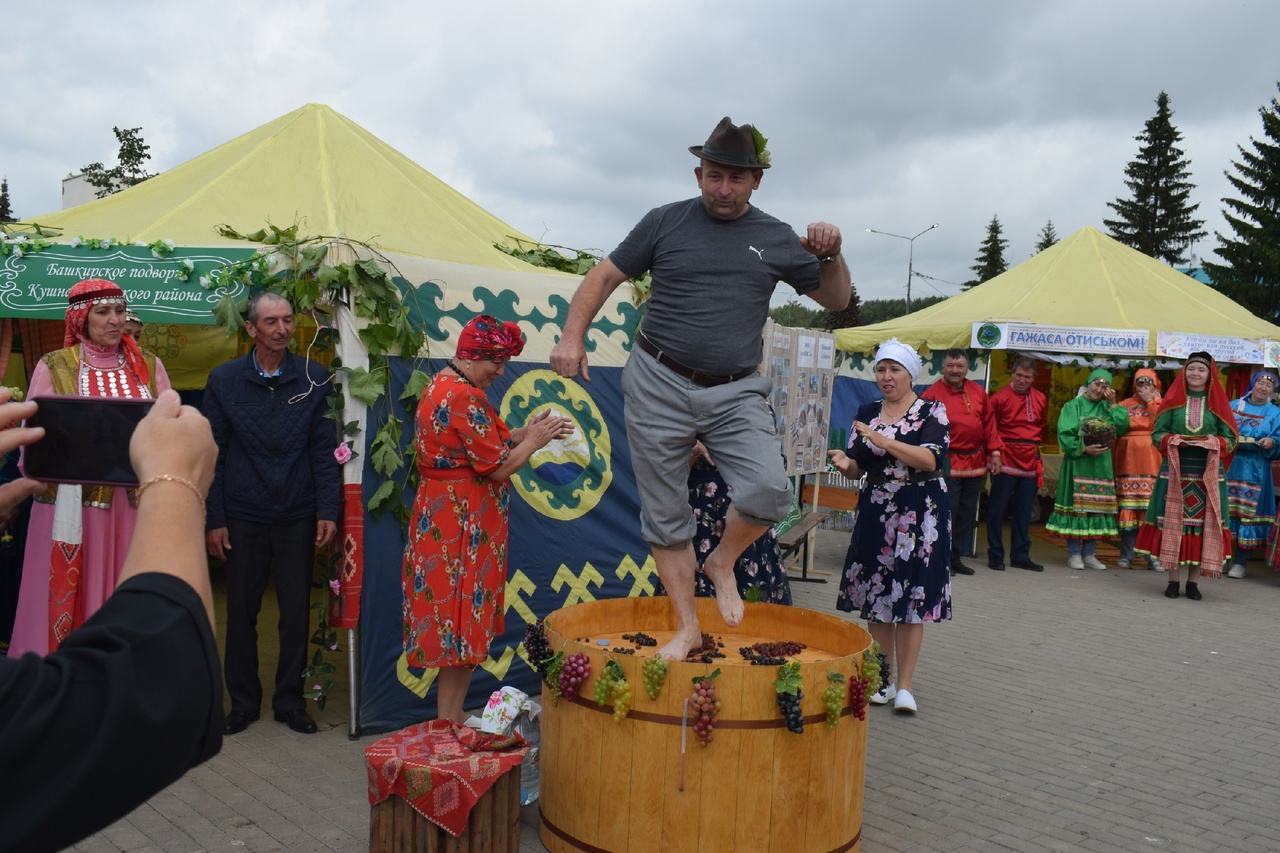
[{"x": 895, "y": 350}]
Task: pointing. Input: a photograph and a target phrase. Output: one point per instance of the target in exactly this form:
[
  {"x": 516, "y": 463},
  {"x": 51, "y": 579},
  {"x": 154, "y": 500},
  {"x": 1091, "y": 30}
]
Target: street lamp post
[{"x": 911, "y": 248}]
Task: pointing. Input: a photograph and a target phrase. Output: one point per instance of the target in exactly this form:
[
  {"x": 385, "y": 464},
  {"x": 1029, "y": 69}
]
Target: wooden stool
[{"x": 492, "y": 827}]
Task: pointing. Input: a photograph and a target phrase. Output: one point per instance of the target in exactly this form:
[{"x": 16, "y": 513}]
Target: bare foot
[
  {"x": 681, "y": 644},
  {"x": 727, "y": 598}
]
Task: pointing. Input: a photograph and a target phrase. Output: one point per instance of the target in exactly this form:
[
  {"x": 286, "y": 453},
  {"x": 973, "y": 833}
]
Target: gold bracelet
[{"x": 173, "y": 478}]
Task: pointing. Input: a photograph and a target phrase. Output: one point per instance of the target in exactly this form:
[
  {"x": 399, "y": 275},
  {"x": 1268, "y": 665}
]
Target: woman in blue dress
[
  {"x": 898, "y": 571},
  {"x": 1250, "y": 496}
]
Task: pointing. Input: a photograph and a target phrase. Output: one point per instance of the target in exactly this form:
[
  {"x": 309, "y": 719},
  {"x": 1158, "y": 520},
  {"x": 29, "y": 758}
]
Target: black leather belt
[
  {"x": 877, "y": 480},
  {"x": 697, "y": 377}
]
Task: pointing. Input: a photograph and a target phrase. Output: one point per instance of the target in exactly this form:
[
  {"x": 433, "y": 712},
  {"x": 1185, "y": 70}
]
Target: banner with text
[
  {"x": 1223, "y": 349},
  {"x": 1134, "y": 343},
  {"x": 34, "y": 285}
]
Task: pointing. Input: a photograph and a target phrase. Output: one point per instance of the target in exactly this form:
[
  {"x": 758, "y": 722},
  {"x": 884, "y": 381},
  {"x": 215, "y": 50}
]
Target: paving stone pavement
[{"x": 1062, "y": 711}]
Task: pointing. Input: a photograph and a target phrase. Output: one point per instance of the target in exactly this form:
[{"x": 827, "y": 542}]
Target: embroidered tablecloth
[{"x": 441, "y": 769}]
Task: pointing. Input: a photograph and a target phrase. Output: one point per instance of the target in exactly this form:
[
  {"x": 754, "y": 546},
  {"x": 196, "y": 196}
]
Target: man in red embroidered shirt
[
  {"x": 974, "y": 443},
  {"x": 1018, "y": 411}
]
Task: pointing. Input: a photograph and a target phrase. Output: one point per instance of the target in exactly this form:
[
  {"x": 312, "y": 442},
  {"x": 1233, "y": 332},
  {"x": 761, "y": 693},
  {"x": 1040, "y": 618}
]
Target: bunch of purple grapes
[
  {"x": 577, "y": 668},
  {"x": 705, "y": 707},
  {"x": 858, "y": 692},
  {"x": 537, "y": 647}
]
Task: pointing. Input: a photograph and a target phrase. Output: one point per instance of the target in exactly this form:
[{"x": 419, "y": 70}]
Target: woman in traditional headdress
[
  {"x": 1250, "y": 491},
  {"x": 79, "y": 535},
  {"x": 1084, "y": 510},
  {"x": 1137, "y": 462},
  {"x": 897, "y": 574},
  {"x": 455, "y": 560},
  {"x": 1186, "y": 520}
]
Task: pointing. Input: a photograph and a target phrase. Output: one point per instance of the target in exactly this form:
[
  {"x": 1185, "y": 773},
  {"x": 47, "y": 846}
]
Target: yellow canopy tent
[{"x": 1087, "y": 280}]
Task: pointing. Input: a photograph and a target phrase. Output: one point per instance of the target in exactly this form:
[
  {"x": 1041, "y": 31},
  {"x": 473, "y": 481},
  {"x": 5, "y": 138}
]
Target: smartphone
[{"x": 86, "y": 440}]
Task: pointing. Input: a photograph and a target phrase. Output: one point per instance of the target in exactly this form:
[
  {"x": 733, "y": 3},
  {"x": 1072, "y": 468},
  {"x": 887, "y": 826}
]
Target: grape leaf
[{"x": 789, "y": 678}]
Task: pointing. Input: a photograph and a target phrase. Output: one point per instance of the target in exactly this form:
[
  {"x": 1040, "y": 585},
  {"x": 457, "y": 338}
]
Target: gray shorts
[{"x": 666, "y": 414}]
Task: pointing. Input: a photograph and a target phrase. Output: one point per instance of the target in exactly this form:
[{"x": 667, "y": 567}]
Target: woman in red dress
[{"x": 455, "y": 560}]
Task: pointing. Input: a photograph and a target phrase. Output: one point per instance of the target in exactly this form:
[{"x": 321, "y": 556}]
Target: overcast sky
[{"x": 570, "y": 119}]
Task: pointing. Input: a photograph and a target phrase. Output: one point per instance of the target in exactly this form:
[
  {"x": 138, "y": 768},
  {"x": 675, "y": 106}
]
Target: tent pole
[{"x": 353, "y": 684}]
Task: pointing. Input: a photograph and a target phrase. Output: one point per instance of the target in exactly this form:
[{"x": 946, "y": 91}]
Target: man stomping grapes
[{"x": 692, "y": 375}]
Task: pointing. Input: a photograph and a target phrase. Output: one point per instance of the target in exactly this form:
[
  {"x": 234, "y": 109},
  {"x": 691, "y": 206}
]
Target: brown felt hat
[{"x": 731, "y": 145}]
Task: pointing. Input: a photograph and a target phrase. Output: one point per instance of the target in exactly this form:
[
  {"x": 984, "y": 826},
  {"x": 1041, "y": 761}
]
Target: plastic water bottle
[
  {"x": 529, "y": 777},
  {"x": 530, "y": 768}
]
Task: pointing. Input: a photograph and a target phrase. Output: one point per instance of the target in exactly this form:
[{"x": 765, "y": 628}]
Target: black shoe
[
  {"x": 1171, "y": 591},
  {"x": 238, "y": 721},
  {"x": 1029, "y": 565},
  {"x": 959, "y": 568},
  {"x": 298, "y": 720},
  {"x": 998, "y": 565},
  {"x": 1193, "y": 591}
]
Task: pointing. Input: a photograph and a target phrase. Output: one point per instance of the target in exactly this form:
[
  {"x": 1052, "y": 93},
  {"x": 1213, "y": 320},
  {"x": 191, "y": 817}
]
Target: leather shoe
[
  {"x": 238, "y": 721},
  {"x": 998, "y": 565},
  {"x": 1029, "y": 565},
  {"x": 1193, "y": 591},
  {"x": 300, "y": 721},
  {"x": 959, "y": 568}
]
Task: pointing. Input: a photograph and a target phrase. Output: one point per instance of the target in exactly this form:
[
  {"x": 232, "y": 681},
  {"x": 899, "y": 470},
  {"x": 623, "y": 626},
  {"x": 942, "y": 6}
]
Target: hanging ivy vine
[{"x": 565, "y": 259}]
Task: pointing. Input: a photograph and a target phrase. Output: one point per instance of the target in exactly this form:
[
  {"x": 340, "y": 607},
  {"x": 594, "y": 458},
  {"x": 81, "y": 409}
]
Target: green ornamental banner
[{"x": 168, "y": 287}]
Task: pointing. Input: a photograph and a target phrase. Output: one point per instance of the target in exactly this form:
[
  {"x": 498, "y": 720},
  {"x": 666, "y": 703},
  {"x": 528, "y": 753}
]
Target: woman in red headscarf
[
  {"x": 78, "y": 535},
  {"x": 455, "y": 560},
  {"x": 1187, "y": 518}
]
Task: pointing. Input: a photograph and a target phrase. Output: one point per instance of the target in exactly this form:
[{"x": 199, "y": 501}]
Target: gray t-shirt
[{"x": 712, "y": 280}]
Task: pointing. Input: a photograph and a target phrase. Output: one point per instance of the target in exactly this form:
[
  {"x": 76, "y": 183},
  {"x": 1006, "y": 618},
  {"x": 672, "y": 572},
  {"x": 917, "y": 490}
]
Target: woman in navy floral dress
[{"x": 897, "y": 574}]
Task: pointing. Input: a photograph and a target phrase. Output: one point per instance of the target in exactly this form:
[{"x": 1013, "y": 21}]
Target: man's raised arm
[{"x": 570, "y": 354}]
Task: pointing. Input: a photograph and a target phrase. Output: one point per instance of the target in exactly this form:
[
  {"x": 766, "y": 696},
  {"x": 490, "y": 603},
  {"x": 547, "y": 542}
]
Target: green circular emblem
[
  {"x": 988, "y": 336},
  {"x": 567, "y": 478}
]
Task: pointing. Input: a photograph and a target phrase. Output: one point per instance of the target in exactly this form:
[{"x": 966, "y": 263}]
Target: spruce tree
[
  {"x": 990, "y": 261},
  {"x": 1048, "y": 236},
  {"x": 1250, "y": 272},
  {"x": 1157, "y": 220},
  {"x": 6, "y": 211}
]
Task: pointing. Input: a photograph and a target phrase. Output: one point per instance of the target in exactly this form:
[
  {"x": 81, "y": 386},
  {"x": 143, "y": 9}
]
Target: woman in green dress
[
  {"x": 1085, "y": 508},
  {"x": 1196, "y": 434}
]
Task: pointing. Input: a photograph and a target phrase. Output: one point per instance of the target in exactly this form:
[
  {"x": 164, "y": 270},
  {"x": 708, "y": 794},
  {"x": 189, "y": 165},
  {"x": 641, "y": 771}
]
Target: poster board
[{"x": 801, "y": 365}]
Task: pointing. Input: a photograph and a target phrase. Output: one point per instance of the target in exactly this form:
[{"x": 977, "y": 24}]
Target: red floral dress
[{"x": 455, "y": 560}]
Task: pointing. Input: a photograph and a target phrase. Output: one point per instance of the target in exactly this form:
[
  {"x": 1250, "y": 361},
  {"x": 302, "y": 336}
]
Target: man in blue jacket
[{"x": 274, "y": 500}]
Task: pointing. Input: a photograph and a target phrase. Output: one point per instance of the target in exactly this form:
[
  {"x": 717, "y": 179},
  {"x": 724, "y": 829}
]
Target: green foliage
[
  {"x": 1156, "y": 219},
  {"x": 130, "y": 166},
  {"x": 789, "y": 678},
  {"x": 990, "y": 261},
  {"x": 317, "y": 676},
  {"x": 6, "y": 209},
  {"x": 878, "y": 310},
  {"x": 798, "y": 316},
  {"x": 1250, "y": 272},
  {"x": 1048, "y": 237},
  {"x": 572, "y": 261}
]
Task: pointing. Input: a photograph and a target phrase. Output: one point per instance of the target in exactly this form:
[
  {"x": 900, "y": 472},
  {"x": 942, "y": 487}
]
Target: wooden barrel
[{"x": 625, "y": 786}]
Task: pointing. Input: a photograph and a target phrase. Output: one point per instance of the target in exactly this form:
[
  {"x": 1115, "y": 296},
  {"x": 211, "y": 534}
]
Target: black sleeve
[{"x": 129, "y": 703}]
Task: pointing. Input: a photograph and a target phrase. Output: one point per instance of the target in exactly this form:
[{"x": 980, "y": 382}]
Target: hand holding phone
[{"x": 86, "y": 440}]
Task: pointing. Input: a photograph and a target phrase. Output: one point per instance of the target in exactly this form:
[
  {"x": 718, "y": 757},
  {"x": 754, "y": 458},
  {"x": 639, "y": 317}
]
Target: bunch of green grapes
[
  {"x": 833, "y": 698},
  {"x": 604, "y": 687},
  {"x": 620, "y": 694},
  {"x": 554, "y": 667},
  {"x": 872, "y": 668},
  {"x": 655, "y": 674}
]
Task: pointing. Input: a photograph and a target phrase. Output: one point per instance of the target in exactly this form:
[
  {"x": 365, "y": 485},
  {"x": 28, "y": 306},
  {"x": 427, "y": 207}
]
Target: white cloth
[{"x": 895, "y": 350}]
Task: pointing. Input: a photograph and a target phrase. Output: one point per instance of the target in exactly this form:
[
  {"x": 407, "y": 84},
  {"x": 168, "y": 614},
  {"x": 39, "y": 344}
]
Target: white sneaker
[
  {"x": 884, "y": 695},
  {"x": 1075, "y": 561},
  {"x": 1237, "y": 571},
  {"x": 1155, "y": 566},
  {"x": 1093, "y": 562},
  {"x": 1122, "y": 563},
  {"x": 905, "y": 703}
]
